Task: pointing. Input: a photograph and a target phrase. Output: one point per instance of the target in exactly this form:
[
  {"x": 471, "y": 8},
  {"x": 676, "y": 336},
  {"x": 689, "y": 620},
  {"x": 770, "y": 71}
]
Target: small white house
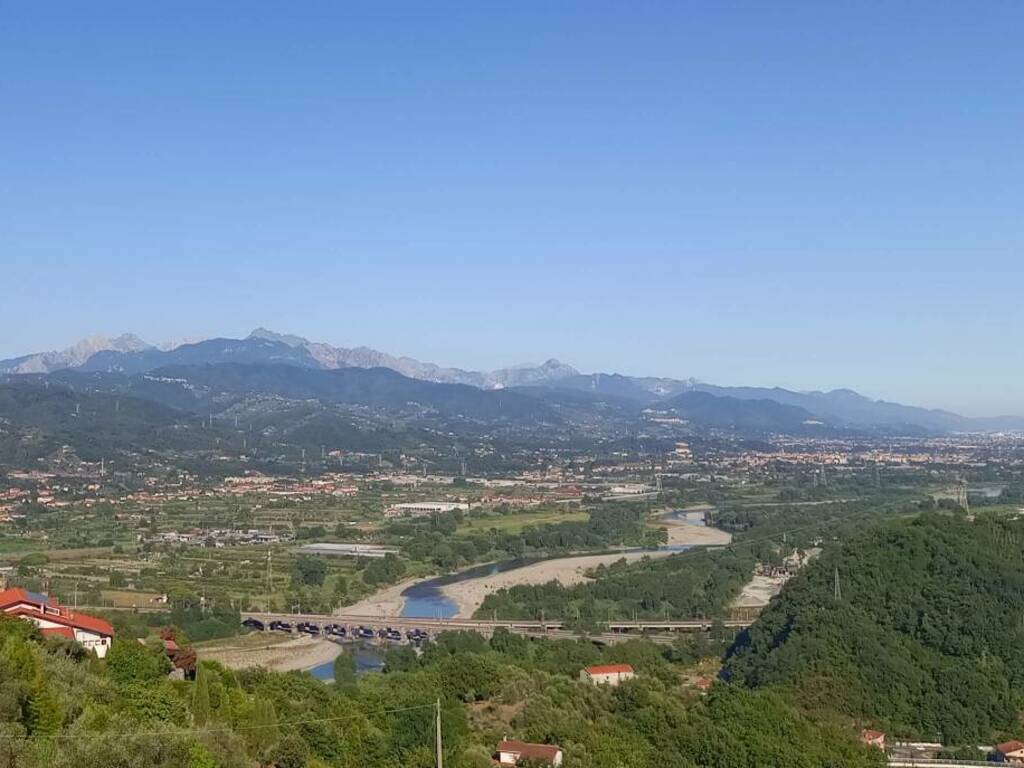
[{"x": 607, "y": 674}]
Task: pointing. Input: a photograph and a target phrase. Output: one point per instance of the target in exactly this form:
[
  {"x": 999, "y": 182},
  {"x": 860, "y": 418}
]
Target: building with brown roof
[
  {"x": 512, "y": 752},
  {"x": 1010, "y": 752}
]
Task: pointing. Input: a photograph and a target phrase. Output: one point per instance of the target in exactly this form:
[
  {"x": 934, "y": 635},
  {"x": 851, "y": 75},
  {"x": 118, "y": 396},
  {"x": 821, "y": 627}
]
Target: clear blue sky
[{"x": 806, "y": 194}]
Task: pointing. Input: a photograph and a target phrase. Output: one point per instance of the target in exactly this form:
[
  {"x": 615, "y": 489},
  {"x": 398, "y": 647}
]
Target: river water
[
  {"x": 426, "y": 600},
  {"x": 368, "y": 659}
]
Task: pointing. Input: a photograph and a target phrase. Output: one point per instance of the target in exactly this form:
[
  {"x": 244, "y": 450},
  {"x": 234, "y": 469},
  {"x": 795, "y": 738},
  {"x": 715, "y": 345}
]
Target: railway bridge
[{"x": 609, "y": 632}]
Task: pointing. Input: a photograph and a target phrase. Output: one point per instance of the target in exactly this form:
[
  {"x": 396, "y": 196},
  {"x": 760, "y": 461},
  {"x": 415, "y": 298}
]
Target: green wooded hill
[
  {"x": 61, "y": 707},
  {"x": 926, "y": 639}
]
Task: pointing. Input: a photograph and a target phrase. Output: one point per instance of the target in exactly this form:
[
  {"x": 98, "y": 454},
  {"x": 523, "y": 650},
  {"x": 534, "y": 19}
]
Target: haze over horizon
[{"x": 796, "y": 195}]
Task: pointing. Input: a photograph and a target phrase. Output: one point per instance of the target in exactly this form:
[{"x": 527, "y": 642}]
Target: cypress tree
[{"x": 201, "y": 698}]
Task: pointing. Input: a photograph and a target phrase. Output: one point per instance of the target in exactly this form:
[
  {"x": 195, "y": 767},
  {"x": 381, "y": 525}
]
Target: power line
[{"x": 200, "y": 731}]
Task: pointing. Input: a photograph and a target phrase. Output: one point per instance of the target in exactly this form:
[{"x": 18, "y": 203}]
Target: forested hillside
[
  {"x": 923, "y": 637},
  {"x": 61, "y": 707},
  {"x": 700, "y": 582}
]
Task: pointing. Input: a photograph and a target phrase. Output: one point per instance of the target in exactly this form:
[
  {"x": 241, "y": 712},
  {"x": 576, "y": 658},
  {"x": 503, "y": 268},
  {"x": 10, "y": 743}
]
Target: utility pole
[
  {"x": 270, "y": 587},
  {"x": 440, "y": 753},
  {"x": 839, "y": 590}
]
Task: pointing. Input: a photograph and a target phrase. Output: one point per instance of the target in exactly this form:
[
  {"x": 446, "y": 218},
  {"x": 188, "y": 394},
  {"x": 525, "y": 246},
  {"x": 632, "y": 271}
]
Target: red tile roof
[
  {"x": 13, "y": 596},
  {"x": 527, "y": 751},
  {"x": 54, "y": 612},
  {"x": 1009, "y": 746},
  {"x": 67, "y": 632},
  {"x": 609, "y": 669}
]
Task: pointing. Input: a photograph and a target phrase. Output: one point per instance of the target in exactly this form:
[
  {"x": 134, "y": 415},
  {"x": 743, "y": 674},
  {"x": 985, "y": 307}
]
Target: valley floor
[{"x": 469, "y": 595}]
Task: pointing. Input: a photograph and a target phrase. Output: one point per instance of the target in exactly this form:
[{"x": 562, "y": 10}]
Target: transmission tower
[
  {"x": 839, "y": 589},
  {"x": 961, "y": 495}
]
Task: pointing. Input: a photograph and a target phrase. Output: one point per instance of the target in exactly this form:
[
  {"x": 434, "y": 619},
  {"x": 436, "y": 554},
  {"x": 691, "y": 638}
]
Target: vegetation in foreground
[{"x": 61, "y": 707}]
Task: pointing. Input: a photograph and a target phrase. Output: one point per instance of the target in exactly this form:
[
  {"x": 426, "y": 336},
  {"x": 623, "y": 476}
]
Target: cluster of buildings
[
  {"x": 1008, "y": 752},
  {"x": 220, "y": 538},
  {"x": 329, "y": 484}
]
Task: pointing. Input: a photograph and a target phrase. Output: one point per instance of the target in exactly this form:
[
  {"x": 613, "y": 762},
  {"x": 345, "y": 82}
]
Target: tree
[
  {"x": 45, "y": 713},
  {"x": 201, "y": 698},
  {"x": 309, "y": 571},
  {"x": 265, "y": 732},
  {"x": 131, "y": 662},
  {"x": 345, "y": 669},
  {"x": 290, "y": 752},
  {"x": 400, "y": 659}
]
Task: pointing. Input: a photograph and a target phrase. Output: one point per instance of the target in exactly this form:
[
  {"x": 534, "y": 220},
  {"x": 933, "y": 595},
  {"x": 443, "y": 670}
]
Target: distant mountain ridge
[
  {"x": 128, "y": 354},
  {"x": 74, "y": 356},
  {"x": 331, "y": 357}
]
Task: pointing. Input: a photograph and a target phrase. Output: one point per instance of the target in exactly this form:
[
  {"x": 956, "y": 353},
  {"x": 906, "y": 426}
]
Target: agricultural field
[{"x": 516, "y": 520}]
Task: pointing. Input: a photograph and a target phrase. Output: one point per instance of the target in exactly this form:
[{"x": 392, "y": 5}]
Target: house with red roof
[
  {"x": 1010, "y": 752},
  {"x": 607, "y": 674},
  {"x": 872, "y": 738},
  {"x": 512, "y": 752},
  {"x": 54, "y": 619}
]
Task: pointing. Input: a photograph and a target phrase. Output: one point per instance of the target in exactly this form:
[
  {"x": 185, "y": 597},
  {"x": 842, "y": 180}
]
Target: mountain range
[{"x": 284, "y": 357}]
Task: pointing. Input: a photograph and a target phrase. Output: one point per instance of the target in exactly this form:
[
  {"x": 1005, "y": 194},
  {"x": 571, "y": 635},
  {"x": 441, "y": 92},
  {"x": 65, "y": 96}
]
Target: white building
[
  {"x": 630, "y": 489},
  {"x": 423, "y": 508},
  {"x": 607, "y": 674},
  {"x": 55, "y": 619}
]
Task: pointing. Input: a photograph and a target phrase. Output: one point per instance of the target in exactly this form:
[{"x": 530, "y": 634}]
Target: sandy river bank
[
  {"x": 278, "y": 652},
  {"x": 469, "y": 595}
]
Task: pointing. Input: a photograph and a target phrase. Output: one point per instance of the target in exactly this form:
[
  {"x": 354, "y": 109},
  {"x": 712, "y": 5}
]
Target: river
[
  {"x": 368, "y": 659},
  {"x": 427, "y": 599}
]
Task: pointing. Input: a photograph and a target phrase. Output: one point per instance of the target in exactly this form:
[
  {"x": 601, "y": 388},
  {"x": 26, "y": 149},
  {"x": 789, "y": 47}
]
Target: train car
[
  {"x": 335, "y": 630},
  {"x": 309, "y": 628},
  {"x": 255, "y": 624},
  {"x": 281, "y": 626}
]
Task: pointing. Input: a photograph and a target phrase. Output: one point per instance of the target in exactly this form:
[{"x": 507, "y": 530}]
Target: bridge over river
[{"x": 608, "y": 632}]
